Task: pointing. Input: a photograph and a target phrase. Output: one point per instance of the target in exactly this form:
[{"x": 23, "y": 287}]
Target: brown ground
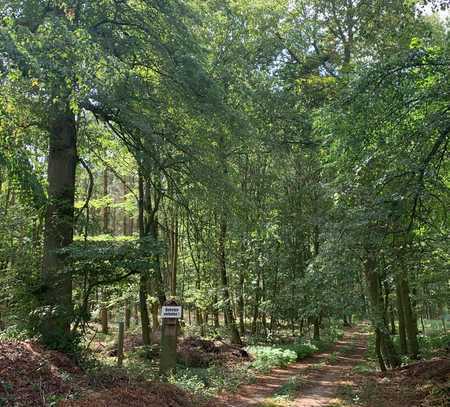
[
  {"x": 29, "y": 374},
  {"x": 32, "y": 376},
  {"x": 154, "y": 394},
  {"x": 318, "y": 384},
  {"x": 420, "y": 384},
  {"x": 335, "y": 379}
]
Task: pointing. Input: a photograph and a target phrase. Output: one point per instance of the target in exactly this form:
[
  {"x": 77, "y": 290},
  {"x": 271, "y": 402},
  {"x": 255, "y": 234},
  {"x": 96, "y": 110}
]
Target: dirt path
[{"x": 319, "y": 377}]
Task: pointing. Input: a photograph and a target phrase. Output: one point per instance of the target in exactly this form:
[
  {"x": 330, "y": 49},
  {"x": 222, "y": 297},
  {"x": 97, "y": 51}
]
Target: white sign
[{"x": 171, "y": 312}]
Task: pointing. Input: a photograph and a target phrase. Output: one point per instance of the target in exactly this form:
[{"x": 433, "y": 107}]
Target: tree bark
[
  {"x": 145, "y": 320},
  {"x": 392, "y": 319},
  {"x": 377, "y": 312},
  {"x": 316, "y": 334},
  {"x": 56, "y": 282},
  {"x": 410, "y": 319},
  {"x": 173, "y": 254},
  {"x": 106, "y": 207},
  {"x": 235, "y": 337},
  {"x": 256, "y": 303},
  {"x": 127, "y": 314},
  {"x": 378, "y": 350},
  {"x": 143, "y": 280},
  {"x": 241, "y": 302},
  {"x": 401, "y": 319},
  {"x": 215, "y": 312},
  {"x": 104, "y": 312},
  {"x": 155, "y": 313}
]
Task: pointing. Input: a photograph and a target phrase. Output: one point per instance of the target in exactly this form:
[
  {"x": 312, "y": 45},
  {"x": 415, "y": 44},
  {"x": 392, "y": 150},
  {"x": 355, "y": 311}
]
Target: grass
[
  {"x": 273, "y": 403},
  {"x": 285, "y": 394},
  {"x": 364, "y": 368},
  {"x": 268, "y": 357},
  {"x": 204, "y": 383},
  {"x": 332, "y": 358},
  {"x": 349, "y": 396}
]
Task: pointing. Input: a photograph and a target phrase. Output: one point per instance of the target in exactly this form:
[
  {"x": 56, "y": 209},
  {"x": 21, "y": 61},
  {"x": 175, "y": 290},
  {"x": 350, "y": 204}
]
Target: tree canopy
[{"x": 270, "y": 164}]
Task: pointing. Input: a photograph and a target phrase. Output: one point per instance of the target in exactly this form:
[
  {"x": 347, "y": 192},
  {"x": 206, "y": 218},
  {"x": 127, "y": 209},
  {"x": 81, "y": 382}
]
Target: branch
[{"x": 90, "y": 188}]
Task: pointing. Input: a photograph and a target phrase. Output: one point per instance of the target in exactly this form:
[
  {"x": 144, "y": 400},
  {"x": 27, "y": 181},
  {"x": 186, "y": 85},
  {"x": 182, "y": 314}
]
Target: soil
[
  {"x": 29, "y": 374},
  {"x": 319, "y": 384},
  {"x": 421, "y": 384},
  {"x": 198, "y": 352},
  {"x": 329, "y": 380},
  {"x": 154, "y": 394},
  {"x": 33, "y": 376}
]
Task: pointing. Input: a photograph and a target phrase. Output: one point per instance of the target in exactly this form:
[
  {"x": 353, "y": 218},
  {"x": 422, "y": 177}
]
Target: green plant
[
  {"x": 362, "y": 368},
  {"x": 225, "y": 379},
  {"x": 7, "y": 389},
  {"x": 302, "y": 349},
  {"x": 215, "y": 378},
  {"x": 13, "y": 333},
  {"x": 431, "y": 343},
  {"x": 267, "y": 357},
  {"x": 332, "y": 358},
  {"x": 52, "y": 400},
  {"x": 192, "y": 384},
  {"x": 290, "y": 388}
]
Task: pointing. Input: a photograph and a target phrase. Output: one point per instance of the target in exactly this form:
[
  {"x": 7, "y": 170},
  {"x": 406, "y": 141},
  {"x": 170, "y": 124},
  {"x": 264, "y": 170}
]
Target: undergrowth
[{"x": 204, "y": 383}]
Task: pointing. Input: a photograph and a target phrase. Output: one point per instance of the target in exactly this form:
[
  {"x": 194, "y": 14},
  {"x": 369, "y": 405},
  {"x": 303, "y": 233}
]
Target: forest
[{"x": 279, "y": 169}]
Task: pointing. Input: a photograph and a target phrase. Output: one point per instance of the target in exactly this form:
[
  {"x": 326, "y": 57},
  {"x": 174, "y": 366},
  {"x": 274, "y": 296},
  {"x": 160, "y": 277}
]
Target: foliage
[
  {"x": 272, "y": 165},
  {"x": 267, "y": 357},
  {"x": 302, "y": 348}
]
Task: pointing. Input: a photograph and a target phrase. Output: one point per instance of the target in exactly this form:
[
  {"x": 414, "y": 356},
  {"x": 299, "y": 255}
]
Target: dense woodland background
[{"x": 273, "y": 165}]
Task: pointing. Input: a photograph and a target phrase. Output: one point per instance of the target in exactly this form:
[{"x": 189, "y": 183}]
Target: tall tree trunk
[
  {"x": 392, "y": 319},
  {"x": 127, "y": 314},
  {"x": 104, "y": 311},
  {"x": 216, "y": 318},
  {"x": 173, "y": 254},
  {"x": 235, "y": 337},
  {"x": 403, "y": 291},
  {"x": 200, "y": 322},
  {"x": 56, "y": 282},
  {"x": 377, "y": 312},
  {"x": 105, "y": 230},
  {"x": 136, "y": 313},
  {"x": 157, "y": 279},
  {"x": 106, "y": 207},
  {"x": 155, "y": 313},
  {"x": 114, "y": 222},
  {"x": 145, "y": 320},
  {"x": 256, "y": 303},
  {"x": 316, "y": 324},
  {"x": 264, "y": 298},
  {"x": 143, "y": 280},
  {"x": 215, "y": 312},
  {"x": 401, "y": 319},
  {"x": 241, "y": 302},
  {"x": 410, "y": 319},
  {"x": 125, "y": 220},
  {"x": 378, "y": 350},
  {"x": 2, "y": 321}
]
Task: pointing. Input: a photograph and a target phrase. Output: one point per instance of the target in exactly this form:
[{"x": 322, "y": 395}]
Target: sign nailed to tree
[{"x": 171, "y": 311}]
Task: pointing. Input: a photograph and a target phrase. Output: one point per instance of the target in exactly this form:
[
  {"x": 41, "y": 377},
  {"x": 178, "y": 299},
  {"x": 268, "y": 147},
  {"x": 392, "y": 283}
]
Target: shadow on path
[{"x": 319, "y": 384}]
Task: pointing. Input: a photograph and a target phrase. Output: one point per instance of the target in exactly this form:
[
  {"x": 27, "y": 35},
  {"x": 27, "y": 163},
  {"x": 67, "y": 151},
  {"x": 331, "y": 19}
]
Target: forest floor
[
  {"x": 344, "y": 376},
  {"x": 312, "y": 382},
  {"x": 341, "y": 377}
]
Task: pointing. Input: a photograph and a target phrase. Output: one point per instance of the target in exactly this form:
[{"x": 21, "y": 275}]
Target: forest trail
[{"x": 317, "y": 378}]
